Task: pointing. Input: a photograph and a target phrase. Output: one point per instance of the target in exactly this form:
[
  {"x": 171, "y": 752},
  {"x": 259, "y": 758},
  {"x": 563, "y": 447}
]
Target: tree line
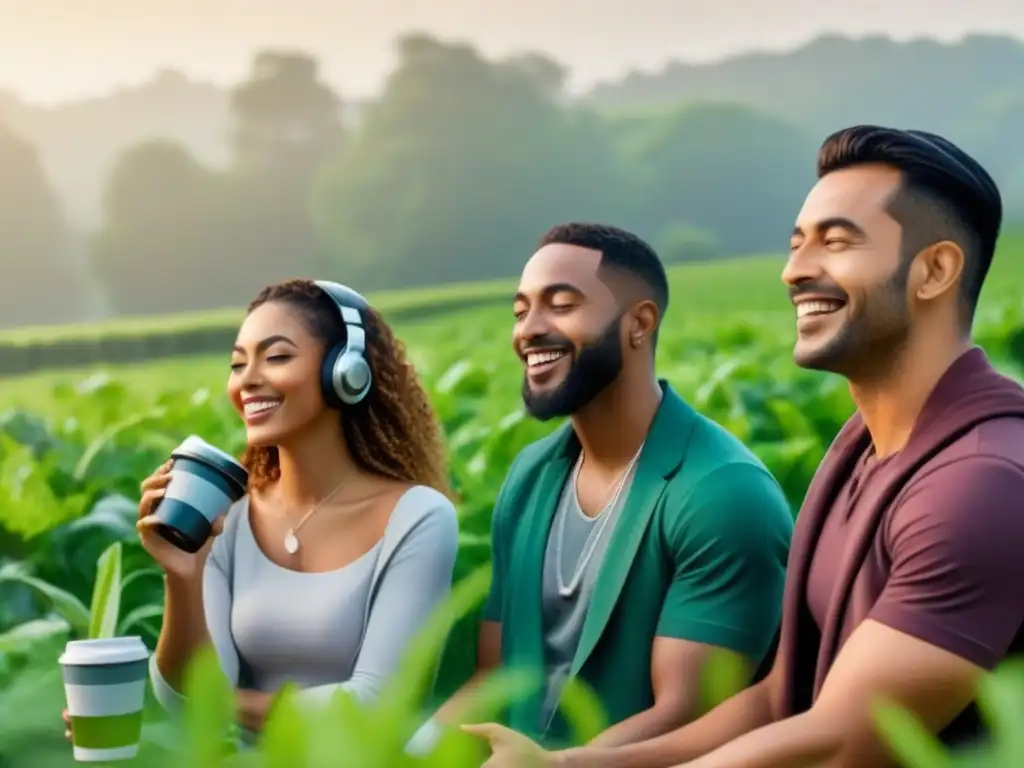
[{"x": 450, "y": 175}]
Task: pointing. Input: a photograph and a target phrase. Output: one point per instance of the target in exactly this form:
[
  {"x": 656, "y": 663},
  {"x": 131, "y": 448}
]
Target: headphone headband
[{"x": 343, "y": 296}]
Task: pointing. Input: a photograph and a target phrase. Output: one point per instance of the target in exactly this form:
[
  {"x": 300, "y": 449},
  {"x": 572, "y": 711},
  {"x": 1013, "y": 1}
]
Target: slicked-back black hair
[{"x": 945, "y": 194}]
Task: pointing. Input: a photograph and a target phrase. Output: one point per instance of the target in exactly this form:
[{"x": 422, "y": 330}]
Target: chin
[
  {"x": 263, "y": 437},
  {"x": 820, "y": 357}
]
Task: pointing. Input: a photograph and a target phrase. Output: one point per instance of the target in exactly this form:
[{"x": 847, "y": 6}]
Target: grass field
[
  {"x": 704, "y": 287},
  {"x": 132, "y": 326},
  {"x": 736, "y": 292},
  {"x": 74, "y": 445}
]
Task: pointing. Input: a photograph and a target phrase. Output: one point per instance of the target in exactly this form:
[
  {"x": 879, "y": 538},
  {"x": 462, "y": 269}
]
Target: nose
[
  {"x": 250, "y": 378},
  {"x": 532, "y": 325},
  {"x": 801, "y": 266}
]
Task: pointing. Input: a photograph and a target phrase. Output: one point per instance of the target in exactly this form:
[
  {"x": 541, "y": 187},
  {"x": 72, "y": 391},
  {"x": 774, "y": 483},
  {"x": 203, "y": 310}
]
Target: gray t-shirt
[
  {"x": 342, "y": 629},
  {"x": 563, "y": 617}
]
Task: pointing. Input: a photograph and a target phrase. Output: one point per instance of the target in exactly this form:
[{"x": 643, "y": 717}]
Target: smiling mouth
[
  {"x": 540, "y": 363},
  {"x": 818, "y": 308},
  {"x": 259, "y": 408},
  {"x": 544, "y": 357}
]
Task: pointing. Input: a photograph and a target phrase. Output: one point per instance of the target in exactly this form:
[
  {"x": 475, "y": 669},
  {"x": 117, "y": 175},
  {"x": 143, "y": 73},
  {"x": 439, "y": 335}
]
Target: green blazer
[{"x": 699, "y": 553}]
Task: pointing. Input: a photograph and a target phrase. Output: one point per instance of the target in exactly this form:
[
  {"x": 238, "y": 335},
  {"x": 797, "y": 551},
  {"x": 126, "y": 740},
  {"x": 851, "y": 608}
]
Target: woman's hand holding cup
[{"x": 176, "y": 562}]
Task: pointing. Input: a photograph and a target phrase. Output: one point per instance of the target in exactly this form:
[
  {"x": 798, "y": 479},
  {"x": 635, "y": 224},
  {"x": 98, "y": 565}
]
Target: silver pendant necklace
[
  {"x": 291, "y": 539},
  {"x": 565, "y": 591}
]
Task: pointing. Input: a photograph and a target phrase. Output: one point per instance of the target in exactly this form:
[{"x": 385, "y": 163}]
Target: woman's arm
[
  {"x": 195, "y": 613},
  {"x": 415, "y": 583}
]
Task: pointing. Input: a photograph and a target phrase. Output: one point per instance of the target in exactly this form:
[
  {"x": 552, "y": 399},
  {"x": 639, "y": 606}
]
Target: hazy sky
[{"x": 54, "y": 49}]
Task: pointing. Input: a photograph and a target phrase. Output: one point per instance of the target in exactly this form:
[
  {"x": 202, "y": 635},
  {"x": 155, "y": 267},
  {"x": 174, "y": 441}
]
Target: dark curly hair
[{"x": 394, "y": 431}]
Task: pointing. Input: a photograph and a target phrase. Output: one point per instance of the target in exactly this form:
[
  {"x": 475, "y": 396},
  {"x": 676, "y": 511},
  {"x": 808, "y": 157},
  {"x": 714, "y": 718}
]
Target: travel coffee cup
[
  {"x": 105, "y": 688},
  {"x": 205, "y": 482}
]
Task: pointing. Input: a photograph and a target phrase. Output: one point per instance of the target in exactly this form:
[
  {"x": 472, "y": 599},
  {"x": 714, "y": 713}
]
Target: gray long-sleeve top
[{"x": 343, "y": 629}]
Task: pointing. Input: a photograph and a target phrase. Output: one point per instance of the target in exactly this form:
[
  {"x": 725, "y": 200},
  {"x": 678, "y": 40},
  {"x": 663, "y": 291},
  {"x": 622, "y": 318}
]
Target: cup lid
[
  {"x": 194, "y": 447},
  {"x": 111, "y": 650}
]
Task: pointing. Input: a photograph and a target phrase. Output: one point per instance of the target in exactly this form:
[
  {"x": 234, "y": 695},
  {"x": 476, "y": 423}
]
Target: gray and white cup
[
  {"x": 105, "y": 689},
  {"x": 205, "y": 482}
]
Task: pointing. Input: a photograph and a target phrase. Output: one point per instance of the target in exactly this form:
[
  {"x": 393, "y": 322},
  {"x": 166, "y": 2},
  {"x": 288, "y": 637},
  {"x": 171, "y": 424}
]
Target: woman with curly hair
[{"x": 346, "y": 540}]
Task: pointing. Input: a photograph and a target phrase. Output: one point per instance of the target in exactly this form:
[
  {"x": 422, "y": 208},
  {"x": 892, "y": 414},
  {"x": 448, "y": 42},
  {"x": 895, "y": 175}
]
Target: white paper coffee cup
[{"x": 105, "y": 688}]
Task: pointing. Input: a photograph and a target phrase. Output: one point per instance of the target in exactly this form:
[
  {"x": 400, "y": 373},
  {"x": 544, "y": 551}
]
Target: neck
[
  {"x": 314, "y": 465},
  {"x": 613, "y": 426},
  {"x": 891, "y": 402}
]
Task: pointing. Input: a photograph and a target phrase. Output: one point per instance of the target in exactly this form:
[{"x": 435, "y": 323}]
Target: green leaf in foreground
[
  {"x": 106, "y": 594},
  {"x": 415, "y": 676},
  {"x": 724, "y": 675},
  {"x": 345, "y": 733},
  {"x": 1001, "y": 702},
  {"x": 908, "y": 740},
  {"x": 22, "y": 638},
  {"x": 583, "y": 711},
  {"x": 71, "y": 609},
  {"x": 209, "y": 710},
  {"x": 284, "y": 742},
  {"x": 139, "y": 616}
]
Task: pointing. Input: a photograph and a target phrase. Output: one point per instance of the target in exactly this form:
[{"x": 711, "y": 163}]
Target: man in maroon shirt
[{"x": 906, "y": 573}]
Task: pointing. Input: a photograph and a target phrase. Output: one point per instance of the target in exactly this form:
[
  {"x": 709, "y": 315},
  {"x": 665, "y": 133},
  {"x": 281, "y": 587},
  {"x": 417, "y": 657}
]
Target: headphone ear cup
[
  {"x": 353, "y": 377},
  {"x": 330, "y": 394}
]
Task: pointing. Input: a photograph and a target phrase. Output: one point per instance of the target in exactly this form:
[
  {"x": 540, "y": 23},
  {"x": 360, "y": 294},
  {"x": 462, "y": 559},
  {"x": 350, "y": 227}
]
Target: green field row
[
  {"x": 744, "y": 284},
  {"x": 743, "y": 290},
  {"x": 385, "y": 301},
  {"x": 707, "y": 286}
]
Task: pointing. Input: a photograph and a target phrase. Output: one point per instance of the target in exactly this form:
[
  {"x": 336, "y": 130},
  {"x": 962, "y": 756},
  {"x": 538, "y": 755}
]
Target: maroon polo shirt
[
  {"x": 943, "y": 560},
  {"x": 949, "y": 561}
]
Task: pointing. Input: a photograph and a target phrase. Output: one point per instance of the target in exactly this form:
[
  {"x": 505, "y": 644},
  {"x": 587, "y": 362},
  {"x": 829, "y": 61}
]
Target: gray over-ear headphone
[{"x": 345, "y": 377}]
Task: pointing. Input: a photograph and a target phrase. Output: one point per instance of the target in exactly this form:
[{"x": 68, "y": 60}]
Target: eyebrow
[
  {"x": 551, "y": 290},
  {"x": 833, "y": 222},
  {"x": 262, "y": 346}
]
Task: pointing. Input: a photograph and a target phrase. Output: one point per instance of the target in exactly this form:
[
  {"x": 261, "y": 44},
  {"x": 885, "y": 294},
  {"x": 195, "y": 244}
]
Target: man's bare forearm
[
  {"x": 644, "y": 725},
  {"x": 744, "y": 712},
  {"x": 451, "y": 712},
  {"x": 803, "y": 741}
]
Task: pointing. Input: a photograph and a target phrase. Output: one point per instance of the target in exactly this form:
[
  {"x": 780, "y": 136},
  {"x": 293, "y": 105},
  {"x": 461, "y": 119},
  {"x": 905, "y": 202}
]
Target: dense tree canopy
[
  {"x": 39, "y": 281},
  {"x": 461, "y": 162}
]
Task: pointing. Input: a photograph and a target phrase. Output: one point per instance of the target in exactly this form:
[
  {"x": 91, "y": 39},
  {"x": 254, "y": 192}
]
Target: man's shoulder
[
  {"x": 738, "y": 483},
  {"x": 733, "y": 509},
  {"x": 713, "y": 446},
  {"x": 1000, "y": 438},
  {"x": 723, "y": 487},
  {"x": 993, "y": 447},
  {"x": 718, "y": 464},
  {"x": 974, "y": 484}
]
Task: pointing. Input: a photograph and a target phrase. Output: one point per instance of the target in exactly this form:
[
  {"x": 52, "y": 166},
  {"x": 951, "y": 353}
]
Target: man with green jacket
[{"x": 639, "y": 536}]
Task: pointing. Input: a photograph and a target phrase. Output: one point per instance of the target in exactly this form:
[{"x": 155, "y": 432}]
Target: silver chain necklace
[
  {"x": 291, "y": 539},
  {"x": 566, "y": 591}
]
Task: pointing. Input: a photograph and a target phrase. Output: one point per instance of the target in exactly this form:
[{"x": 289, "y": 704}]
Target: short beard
[
  {"x": 595, "y": 368},
  {"x": 868, "y": 342}
]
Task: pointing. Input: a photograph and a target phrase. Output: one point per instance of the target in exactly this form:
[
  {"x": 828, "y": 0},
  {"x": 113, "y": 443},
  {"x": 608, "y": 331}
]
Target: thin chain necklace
[
  {"x": 291, "y": 539},
  {"x": 566, "y": 591}
]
